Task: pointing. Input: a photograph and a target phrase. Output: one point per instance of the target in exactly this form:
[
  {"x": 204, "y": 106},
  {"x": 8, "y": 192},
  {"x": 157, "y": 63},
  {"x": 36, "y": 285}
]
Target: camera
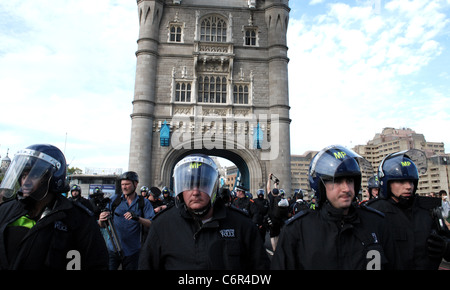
[
  {"x": 275, "y": 179},
  {"x": 100, "y": 201}
]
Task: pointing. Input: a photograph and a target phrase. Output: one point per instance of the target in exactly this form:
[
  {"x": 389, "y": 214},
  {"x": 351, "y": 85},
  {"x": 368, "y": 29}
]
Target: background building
[
  {"x": 88, "y": 182},
  {"x": 392, "y": 140},
  {"x": 299, "y": 170}
]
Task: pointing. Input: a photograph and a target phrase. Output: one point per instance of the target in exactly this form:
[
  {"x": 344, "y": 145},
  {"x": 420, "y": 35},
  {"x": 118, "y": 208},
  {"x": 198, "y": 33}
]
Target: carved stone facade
[{"x": 216, "y": 72}]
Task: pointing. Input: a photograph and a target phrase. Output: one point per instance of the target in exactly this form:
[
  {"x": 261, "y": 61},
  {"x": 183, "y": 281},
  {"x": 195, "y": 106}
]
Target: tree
[{"x": 74, "y": 170}]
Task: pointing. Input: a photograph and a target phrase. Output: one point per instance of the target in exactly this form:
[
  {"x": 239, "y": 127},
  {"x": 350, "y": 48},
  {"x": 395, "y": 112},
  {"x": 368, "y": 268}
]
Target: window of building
[
  {"x": 183, "y": 92},
  {"x": 250, "y": 37},
  {"x": 212, "y": 89},
  {"x": 175, "y": 33},
  {"x": 213, "y": 29},
  {"x": 240, "y": 94}
]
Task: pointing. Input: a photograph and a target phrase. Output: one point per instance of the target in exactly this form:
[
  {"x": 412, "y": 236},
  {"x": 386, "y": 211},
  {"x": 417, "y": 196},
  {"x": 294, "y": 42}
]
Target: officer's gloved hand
[
  {"x": 438, "y": 246},
  {"x": 269, "y": 222}
]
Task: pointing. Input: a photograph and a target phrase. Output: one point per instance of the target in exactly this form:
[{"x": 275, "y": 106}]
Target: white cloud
[
  {"x": 314, "y": 2},
  {"x": 69, "y": 68},
  {"x": 350, "y": 67}
]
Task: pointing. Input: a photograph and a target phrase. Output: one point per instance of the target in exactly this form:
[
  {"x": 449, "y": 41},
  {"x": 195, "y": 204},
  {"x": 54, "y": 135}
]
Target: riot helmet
[
  {"x": 196, "y": 171},
  {"x": 260, "y": 193},
  {"x": 372, "y": 183},
  {"x": 403, "y": 165},
  {"x": 75, "y": 187},
  {"x": 144, "y": 191},
  {"x": 165, "y": 190},
  {"x": 34, "y": 172},
  {"x": 335, "y": 162}
]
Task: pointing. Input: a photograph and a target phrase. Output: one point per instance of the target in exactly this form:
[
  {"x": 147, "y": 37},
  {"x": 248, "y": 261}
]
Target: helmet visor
[
  {"x": 396, "y": 164},
  {"x": 195, "y": 173},
  {"x": 339, "y": 162},
  {"x": 29, "y": 175}
]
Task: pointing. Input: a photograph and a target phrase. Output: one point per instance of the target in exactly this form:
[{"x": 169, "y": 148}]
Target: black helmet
[
  {"x": 41, "y": 164},
  {"x": 404, "y": 165},
  {"x": 334, "y": 162},
  {"x": 155, "y": 192},
  {"x": 165, "y": 190},
  {"x": 260, "y": 192},
  {"x": 372, "y": 183},
  {"x": 75, "y": 187},
  {"x": 129, "y": 175}
]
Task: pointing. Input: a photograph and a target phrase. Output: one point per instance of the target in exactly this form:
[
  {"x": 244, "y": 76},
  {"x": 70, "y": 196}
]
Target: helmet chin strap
[
  {"x": 404, "y": 201},
  {"x": 199, "y": 213}
]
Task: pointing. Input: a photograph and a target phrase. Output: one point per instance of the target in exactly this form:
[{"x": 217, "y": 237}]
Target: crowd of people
[{"x": 199, "y": 225}]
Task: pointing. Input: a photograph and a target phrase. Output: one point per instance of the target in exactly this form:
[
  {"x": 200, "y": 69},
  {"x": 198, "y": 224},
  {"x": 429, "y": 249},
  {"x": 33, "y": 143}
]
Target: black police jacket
[
  {"x": 177, "y": 241},
  {"x": 67, "y": 237},
  {"x": 327, "y": 240},
  {"x": 411, "y": 226},
  {"x": 247, "y": 205}
]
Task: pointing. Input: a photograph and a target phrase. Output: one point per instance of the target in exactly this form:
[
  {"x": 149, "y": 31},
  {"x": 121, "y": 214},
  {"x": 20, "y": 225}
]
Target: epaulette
[
  {"x": 427, "y": 202},
  {"x": 296, "y": 216},
  {"x": 83, "y": 207},
  {"x": 239, "y": 210},
  {"x": 370, "y": 201},
  {"x": 371, "y": 209}
]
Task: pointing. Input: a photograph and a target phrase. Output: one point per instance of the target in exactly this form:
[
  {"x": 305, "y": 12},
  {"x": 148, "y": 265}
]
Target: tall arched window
[{"x": 213, "y": 29}]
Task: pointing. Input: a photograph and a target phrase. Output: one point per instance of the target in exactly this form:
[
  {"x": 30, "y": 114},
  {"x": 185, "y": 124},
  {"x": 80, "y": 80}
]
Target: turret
[
  {"x": 149, "y": 15},
  {"x": 277, "y": 18}
]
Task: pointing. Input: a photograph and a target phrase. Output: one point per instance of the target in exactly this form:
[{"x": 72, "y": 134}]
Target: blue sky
[
  {"x": 356, "y": 66},
  {"x": 365, "y": 65}
]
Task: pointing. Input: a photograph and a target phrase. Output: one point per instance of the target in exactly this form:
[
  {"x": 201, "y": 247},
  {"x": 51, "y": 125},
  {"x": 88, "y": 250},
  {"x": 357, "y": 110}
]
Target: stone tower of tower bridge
[{"x": 212, "y": 77}]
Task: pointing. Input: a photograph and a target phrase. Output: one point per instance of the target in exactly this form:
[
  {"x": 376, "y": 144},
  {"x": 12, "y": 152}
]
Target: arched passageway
[{"x": 251, "y": 169}]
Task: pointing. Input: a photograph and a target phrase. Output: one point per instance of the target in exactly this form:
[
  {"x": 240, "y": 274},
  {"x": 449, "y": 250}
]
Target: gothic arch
[{"x": 251, "y": 169}]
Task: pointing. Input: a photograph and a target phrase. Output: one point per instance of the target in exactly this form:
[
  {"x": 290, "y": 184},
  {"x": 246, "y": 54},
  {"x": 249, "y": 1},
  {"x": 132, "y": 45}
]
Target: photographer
[
  {"x": 278, "y": 211},
  {"x": 129, "y": 213}
]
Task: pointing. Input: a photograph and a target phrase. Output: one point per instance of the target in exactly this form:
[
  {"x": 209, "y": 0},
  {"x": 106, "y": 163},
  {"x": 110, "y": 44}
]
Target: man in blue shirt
[{"x": 130, "y": 213}]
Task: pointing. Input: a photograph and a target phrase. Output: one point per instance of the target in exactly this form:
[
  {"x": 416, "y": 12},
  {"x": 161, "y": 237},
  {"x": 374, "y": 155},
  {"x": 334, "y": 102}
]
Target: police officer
[
  {"x": 337, "y": 235},
  {"x": 262, "y": 208},
  {"x": 155, "y": 198},
  {"x": 373, "y": 186},
  {"x": 75, "y": 192},
  {"x": 277, "y": 214},
  {"x": 200, "y": 232},
  {"x": 299, "y": 204},
  {"x": 144, "y": 191},
  {"x": 39, "y": 228},
  {"x": 419, "y": 245},
  {"x": 168, "y": 199},
  {"x": 243, "y": 202}
]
